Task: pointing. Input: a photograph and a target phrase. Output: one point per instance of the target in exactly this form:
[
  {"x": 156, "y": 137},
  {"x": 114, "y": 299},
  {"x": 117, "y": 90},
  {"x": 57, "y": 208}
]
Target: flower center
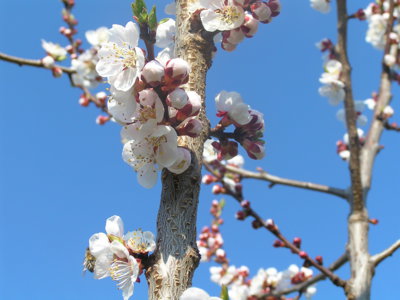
[
  {"x": 228, "y": 14},
  {"x": 127, "y": 55},
  {"x": 146, "y": 113}
]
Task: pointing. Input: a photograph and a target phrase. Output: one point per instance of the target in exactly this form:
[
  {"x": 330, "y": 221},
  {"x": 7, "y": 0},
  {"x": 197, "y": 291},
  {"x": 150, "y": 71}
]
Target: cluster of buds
[
  {"x": 210, "y": 240},
  {"x": 70, "y": 31},
  {"x": 236, "y": 19},
  {"x": 248, "y": 123},
  {"x": 118, "y": 255},
  {"x": 343, "y": 148}
]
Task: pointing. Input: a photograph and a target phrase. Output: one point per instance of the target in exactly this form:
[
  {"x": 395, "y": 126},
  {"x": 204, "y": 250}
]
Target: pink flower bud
[
  {"x": 319, "y": 260},
  {"x": 101, "y": 97},
  {"x": 178, "y": 98},
  {"x": 261, "y": 11},
  {"x": 153, "y": 73},
  {"x": 101, "y": 120},
  {"x": 303, "y": 254},
  {"x": 245, "y": 204},
  {"x": 217, "y": 189},
  {"x": 255, "y": 150},
  {"x": 275, "y": 7},
  {"x": 234, "y": 36},
  {"x": 69, "y": 49},
  {"x": 57, "y": 72},
  {"x": 228, "y": 46},
  {"x": 214, "y": 203},
  {"x": 278, "y": 244},
  {"x": 220, "y": 253},
  {"x": 250, "y": 26},
  {"x": 298, "y": 278},
  {"x": 256, "y": 224},
  {"x": 207, "y": 179},
  {"x": 240, "y": 215},
  {"x": 84, "y": 101},
  {"x": 191, "y": 109},
  {"x": 176, "y": 72},
  {"x": 374, "y": 221},
  {"x": 48, "y": 62},
  {"x": 190, "y": 127},
  {"x": 297, "y": 242}
]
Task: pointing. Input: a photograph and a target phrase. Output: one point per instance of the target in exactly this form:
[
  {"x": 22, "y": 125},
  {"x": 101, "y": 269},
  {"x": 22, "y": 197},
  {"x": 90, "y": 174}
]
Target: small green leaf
[
  {"x": 224, "y": 293},
  {"x": 152, "y": 21},
  {"x": 139, "y": 10},
  {"x": 222, "y": 203},
  {"x": 163, "y": 20}
]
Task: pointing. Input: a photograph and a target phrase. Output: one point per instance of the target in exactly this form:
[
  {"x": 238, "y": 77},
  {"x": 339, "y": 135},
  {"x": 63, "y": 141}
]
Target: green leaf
[
  {"x": 222, "y": 203},
  {"x": 224, "y": 293},
  {"x": 139, "y": 10},
  {"x": 152, "y": 21},
  {"x": 163, "y": 20}
]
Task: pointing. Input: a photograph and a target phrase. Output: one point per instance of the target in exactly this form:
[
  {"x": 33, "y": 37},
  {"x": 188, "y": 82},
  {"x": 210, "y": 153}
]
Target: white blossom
[
  {"x": 194, "y": 293},
  {"x": 232, "y": 104},
  {"x": 223, "y": 276},
  {"x": 377, "y": 24},
  {"x": 165, "y": 34},
  {"x": 85, "y": 67},
  {"x": 221, "y": 15},
  {"x": 140, "y": 242},
  {"x": 209, "y": 152},
  {"x": 54, "y": 50},
  {"x": 120, "y": 59},
  {"x": 97, "y": 37}
]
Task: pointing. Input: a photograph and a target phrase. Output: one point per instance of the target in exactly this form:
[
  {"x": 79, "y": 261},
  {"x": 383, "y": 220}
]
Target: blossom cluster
[
  {"x": 148, "y": 100},
  {"x": 235, "y": 19},
  {"x": 323, "y": 6},
  {"x": 240, "y": 285},
  {"x": 118, "y": 255},
  {"x": 248, "y": 123}
]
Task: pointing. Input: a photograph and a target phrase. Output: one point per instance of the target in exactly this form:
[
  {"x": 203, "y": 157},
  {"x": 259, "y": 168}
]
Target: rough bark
[{"x": 176, "y": 256}]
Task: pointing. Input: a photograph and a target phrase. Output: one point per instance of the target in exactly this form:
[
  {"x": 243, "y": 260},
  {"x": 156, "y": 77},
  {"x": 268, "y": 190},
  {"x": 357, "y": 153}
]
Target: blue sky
[{"x": 61, "y": 175}]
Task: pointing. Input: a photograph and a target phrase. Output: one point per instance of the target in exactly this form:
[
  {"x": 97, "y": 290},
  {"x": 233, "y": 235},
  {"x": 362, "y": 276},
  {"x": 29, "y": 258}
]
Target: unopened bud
[
  {"x": 101, "y": 97},
  {"x": 250, "y": 26},
  {"x": 261, "y": 11},
  {"x": 178, "y": 98},
  {"x": 240, "y": 215},
  {"x": 57, "y": 72},
  {"x": 153, "y": 73},
  {"x": 245, "y": 204},
  {"x": 297, "y": 242},
  {"x": 84, "y": 101},
  {"x": 234, "y": 36},
  {"x": 217, "y": 189},
  {"x": 207, "y": 179},
  {"x": 374, "y": 221},
  {"x": 278, "y": 244},
  {"x": 48, "y": 62},
  {"x": 176, "y": 72},
  {"x": 319, "y": 260},
  {"x": 101, "y": 120},
  {"x": 303, "y": 254},
  {"x": 256, "y": 224}
]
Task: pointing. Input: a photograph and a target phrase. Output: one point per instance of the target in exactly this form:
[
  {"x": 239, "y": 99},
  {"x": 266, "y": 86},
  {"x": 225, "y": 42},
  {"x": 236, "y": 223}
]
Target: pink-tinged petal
[
  {"x": 115, "y": 226},
  {"x": 147, "y": 176}
]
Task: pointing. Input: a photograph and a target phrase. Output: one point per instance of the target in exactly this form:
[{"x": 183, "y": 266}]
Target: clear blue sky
[{"x": 61, "y": 175}]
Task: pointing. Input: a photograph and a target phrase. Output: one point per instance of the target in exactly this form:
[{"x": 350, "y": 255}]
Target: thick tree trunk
[{"x": 176, "y": 256}]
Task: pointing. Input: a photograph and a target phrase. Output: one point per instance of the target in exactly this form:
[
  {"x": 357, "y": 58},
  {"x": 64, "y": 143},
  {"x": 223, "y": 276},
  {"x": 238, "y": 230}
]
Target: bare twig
[
  {"x": 378, "y": 258},
  {"x": 276, "y": 232},
  {"x": 289, "y": 182},
  {"x": 391, "y": 126},
  {"x": 31, "y": 62},
  {"x": 304, "y": 285}
]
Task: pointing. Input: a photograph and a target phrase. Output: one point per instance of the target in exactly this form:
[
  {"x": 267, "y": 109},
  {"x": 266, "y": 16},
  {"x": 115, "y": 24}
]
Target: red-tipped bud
[
  {"x": 240, "y": 215},
  {"x": 297, "y": 242},
  {"x": 275, "y": 7},
  {"x": 245, "y": 204},
  {"x": 57, "y": 72},
  {"x": 228, "y": 46},
  {"x": 278, "y": 244},
  {"x": 84, "y": 101},
  {"x": 176, "y": 72},
  {"x": 217, "y": 189},
  {"x": 255, "y": 150},
  {"x": 101, "y": 97},
  {"x": 250, "y": 26},
  {"x": 360, "y": 14},
  {"x": 374, "y": 221},
  {"x": 319, "y": 260},
  {"x": 207, "y": 179},
  {"x": 234, "y": 36},
  {"x": 256, "y": 224},
  {"x": 303, "y": 254},
  {"x": 261, "y": 11},
  {"x": 191, "y": 127},
  {"x": 153, "y": 73},
  {"x": 101, "y": 120}
]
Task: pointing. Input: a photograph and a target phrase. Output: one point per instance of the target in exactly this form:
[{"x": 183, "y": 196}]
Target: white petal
[
  {"x": 98, "y": 243},
  {"x": 210, "y": 19},
  {"x": 194, "y": 293},
  {"x": 119, "y": 250},
  {"x": 115, "y": 226},
  {"x": 147, "y": 176}
]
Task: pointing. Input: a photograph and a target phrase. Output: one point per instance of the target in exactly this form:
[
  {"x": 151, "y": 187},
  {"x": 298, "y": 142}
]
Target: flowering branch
[
  {"x": 31, "y": 62},
  {"x": 262, "y": 175},
  {"x": 271, "y": 227},
  {"x": 378, "y": 258},
  {"x": 303, "y": 286}
]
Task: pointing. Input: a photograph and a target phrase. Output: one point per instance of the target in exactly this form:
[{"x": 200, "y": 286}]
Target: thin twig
[
  {"x": 378, "y": 258},
  {"x": 288, "y": 182},
  {"x": 31, "y": 62},
  {"x": 276, "y": 232}
]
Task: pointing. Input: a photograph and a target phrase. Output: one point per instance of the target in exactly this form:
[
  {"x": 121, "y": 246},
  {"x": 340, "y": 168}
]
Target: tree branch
[
  {"x": 378, "y": 258},
  {"x": 304, "y": 285},
  {"x": 31, "y": 62},
  {"x": 288, "y": 182}
]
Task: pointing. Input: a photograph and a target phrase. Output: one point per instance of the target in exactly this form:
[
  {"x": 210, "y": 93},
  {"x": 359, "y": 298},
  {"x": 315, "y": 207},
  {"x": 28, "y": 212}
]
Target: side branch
[
  {"x": 31, "y": 62},
  {"x": 304, "y": 285},
  {"x": 378, "y": 258},
  {"x": 288, "y": 182}
]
